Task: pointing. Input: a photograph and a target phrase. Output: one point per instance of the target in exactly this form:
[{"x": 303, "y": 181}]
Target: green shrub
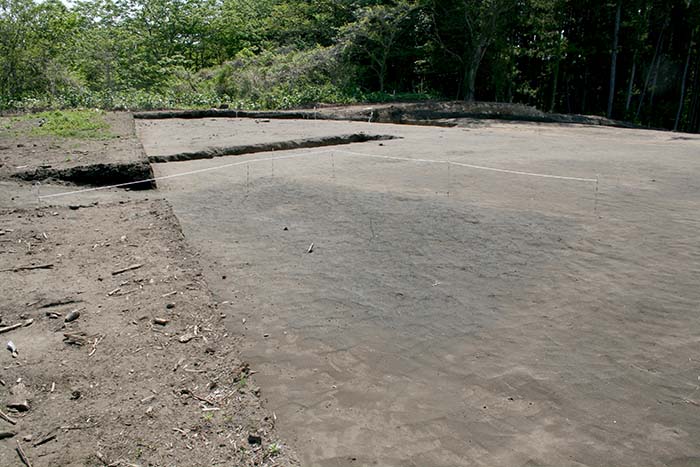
[{"x": 282, "y": 79}]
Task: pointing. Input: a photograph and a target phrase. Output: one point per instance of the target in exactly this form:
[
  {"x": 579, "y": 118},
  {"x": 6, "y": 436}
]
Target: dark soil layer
[
  {"x": 145, "y": 373},
  {"x": 97, "y": 175}
]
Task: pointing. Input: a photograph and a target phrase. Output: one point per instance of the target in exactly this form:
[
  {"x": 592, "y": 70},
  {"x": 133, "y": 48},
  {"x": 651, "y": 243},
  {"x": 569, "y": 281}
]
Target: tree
[
  {"x": 36, "y": 47},
  {"x": 613, "y": 65},
  {"x": 464, "y": 30},
  {"x": 374, "y": 34}
]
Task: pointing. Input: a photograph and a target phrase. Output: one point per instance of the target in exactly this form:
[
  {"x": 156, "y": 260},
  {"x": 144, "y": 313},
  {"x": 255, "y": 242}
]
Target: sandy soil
[{"x": 450, "y": 315}]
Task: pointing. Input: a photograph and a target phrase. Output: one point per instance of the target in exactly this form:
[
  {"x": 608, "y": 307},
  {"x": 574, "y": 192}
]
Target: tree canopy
[{"x": 636, "y": 60}]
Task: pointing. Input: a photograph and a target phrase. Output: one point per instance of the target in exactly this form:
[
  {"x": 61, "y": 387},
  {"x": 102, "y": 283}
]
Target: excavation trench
[
  {"x": 304, "y": 143},
  {"x": 96, "y": 175},
  {"x": 139, "y": 175}
]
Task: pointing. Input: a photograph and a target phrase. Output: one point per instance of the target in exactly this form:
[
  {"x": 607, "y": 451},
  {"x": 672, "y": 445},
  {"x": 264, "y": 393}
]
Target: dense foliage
[{"x": 637, "y": 60}]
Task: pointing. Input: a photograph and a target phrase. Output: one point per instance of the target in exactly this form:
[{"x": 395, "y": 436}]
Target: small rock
[
  {"x": 12, "y": 348},
  {"x": 72, "y": 316},
  {"x": 186, "y": 338},
  {"x": 161, "y": 321},
  {"x": 170, "y": 306},
  {"x": 28, "y": 438},
  {"x": 20, "y": 398},
  {"x": 19, "y": 406}
]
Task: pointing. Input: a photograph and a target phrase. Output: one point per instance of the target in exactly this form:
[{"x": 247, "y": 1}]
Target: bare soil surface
[
  {"x": 117, "y": 159},
  {"x": 146, "y": 374},
  {"x": 447, "y": 314},
  {"x": 120, "y": 355}
]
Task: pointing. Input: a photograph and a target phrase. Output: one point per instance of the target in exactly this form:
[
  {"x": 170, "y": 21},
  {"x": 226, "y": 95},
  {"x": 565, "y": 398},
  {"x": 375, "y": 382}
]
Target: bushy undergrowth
[{"x": 280, "y": 79}]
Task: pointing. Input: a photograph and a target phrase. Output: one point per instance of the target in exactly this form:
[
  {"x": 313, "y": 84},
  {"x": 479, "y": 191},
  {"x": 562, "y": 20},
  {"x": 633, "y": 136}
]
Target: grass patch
[{"x": 81, "y": 124}]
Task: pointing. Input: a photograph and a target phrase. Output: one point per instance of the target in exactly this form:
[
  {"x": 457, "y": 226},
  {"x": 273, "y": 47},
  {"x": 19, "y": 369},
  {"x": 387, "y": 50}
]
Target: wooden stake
[
  {"x": 22, "y": 455},
  {"x": 128, "y": 268}
]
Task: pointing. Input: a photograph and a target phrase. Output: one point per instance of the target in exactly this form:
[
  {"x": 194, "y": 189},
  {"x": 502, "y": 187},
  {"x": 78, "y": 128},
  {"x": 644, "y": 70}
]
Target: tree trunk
[
  {"x": 470, "y": 72},
  {"x": 683, "y": 81},
  {"x": 555, "y": 79},
  {"x": 630, "y": 88},
  {"x": 382, "y": 74},
  {"x": 584, "y": 95},
  {"x": 655, "y": 80},
  {"x": 649, "y": 72},
  {"x": 469, "y": 83},
  {"x": 695, "y": 103},
  {"x": 613, "y": 64},
  {"x": 567, "y": 82}
]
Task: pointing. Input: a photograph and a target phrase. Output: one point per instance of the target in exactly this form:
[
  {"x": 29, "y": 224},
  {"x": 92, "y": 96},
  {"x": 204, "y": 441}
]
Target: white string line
[
  {"x": 461, "y": 164},
  {"x": 182, "y": 174},
  {"x": 292, "y": 156}
]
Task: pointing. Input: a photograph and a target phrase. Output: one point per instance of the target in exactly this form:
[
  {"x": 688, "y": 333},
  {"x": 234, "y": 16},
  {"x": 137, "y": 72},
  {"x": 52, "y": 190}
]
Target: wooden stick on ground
[
  {"x": 23, "y": 455},
  {"x": 45, "y": 439},
  {"x": 7, "y": 418},
  {"x": 10, "y": 328},
  {"x": 128, "y": 268},
  {"x": 27, "y": 322},
  {"x": 27, "y": 268},
  {"x": 203, "y": 399}
]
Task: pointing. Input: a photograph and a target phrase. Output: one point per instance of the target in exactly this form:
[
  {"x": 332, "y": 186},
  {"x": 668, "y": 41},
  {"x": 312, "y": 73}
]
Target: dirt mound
[{"x": 436, "y": 113}]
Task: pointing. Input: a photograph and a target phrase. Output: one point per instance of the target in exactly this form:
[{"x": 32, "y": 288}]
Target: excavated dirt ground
[
  {"x": 146, "y": 374},
  {"x": 393, "y": 309},
  {"x": 117, "y": 159},
  {"x": 451, "y": 315}
]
